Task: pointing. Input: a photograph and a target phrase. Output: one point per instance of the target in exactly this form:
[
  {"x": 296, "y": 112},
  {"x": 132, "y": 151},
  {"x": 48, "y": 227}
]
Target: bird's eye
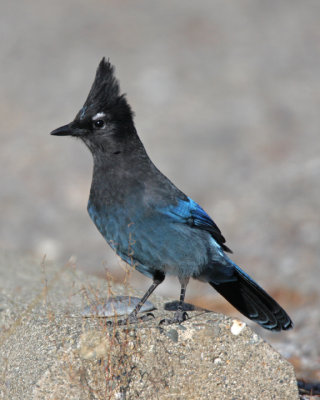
[{"x": 99, "y": 123}]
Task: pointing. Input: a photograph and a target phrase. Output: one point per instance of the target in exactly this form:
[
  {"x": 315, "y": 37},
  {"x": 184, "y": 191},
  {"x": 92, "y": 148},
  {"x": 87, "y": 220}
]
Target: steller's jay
[{"x": 147, "y": 220}]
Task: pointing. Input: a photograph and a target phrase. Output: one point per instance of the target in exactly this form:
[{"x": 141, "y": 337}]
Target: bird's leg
[
  {"x": 180, "y": 315},
  {"x": 133, "y": 315},
  {"x": 158, "y": 278}
]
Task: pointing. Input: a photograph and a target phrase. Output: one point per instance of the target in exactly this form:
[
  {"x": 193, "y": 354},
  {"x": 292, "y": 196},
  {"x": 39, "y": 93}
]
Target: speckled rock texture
[{"x": 49, "y": 351}]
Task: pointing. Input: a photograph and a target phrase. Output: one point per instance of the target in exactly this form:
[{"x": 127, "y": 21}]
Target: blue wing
[{"x": 189, "y": 212}]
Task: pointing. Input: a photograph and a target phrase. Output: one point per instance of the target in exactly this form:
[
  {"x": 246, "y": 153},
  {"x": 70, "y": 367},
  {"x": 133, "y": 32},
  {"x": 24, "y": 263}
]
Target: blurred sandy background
[{"x": 227, "y": 100}]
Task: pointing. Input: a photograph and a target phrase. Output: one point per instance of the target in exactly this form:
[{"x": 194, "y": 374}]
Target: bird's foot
[
  {"x": 131, "y": 319},
  {"x": 178, "y": 305},
  {"x": 179, "y": 317}
]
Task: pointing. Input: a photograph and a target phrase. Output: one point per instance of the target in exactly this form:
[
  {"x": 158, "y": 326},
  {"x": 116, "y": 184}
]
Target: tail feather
[{"x": 253, "y": 302}]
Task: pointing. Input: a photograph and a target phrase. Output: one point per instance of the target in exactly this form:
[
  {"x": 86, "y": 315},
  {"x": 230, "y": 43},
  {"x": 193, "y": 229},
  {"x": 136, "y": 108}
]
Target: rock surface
[{"x": 49, "y": 351}]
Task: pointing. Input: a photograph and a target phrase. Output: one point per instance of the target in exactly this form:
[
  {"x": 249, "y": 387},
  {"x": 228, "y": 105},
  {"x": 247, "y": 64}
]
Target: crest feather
[
  {"x": 105, "y": 96},
  {"x": 105, "y": 90}
]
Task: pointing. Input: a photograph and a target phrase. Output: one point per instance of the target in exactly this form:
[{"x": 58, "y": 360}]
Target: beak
[
  {"x": 65, "y": 130},
  {"x": 69, "y": 130}
]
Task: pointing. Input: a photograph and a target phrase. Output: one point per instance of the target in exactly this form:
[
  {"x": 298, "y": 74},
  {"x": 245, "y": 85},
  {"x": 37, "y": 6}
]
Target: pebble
[{"x": 114, "y": 306}]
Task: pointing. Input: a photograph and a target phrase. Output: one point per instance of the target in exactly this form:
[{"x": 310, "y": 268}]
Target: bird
[{"x": 151, "y": 224}]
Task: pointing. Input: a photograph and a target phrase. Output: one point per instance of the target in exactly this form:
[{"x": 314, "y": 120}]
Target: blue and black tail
[{"x": 253, "y": 302}]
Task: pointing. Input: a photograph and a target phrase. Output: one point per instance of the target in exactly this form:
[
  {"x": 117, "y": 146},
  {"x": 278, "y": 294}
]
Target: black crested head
[
  {"x": 105, "y": 122},
  {"x": 104, "y": 95}
]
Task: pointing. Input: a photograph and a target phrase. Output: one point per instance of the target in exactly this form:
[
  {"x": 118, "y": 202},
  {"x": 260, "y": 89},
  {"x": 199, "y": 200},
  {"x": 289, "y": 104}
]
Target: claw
[
  {"x": 131, "y": 319},
  {"x": 179, "y": 317}
]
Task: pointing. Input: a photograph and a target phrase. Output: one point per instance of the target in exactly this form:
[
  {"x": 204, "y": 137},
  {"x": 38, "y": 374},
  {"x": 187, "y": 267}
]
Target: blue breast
[{"x": 151, "y": 239}]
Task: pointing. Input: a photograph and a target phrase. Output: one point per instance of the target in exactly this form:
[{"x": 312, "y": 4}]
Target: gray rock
[{"x": 49, "y": 351}]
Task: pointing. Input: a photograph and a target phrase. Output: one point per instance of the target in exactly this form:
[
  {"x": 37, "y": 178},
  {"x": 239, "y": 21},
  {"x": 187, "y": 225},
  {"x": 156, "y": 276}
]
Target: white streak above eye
[{"x": 99, "y": 115}]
